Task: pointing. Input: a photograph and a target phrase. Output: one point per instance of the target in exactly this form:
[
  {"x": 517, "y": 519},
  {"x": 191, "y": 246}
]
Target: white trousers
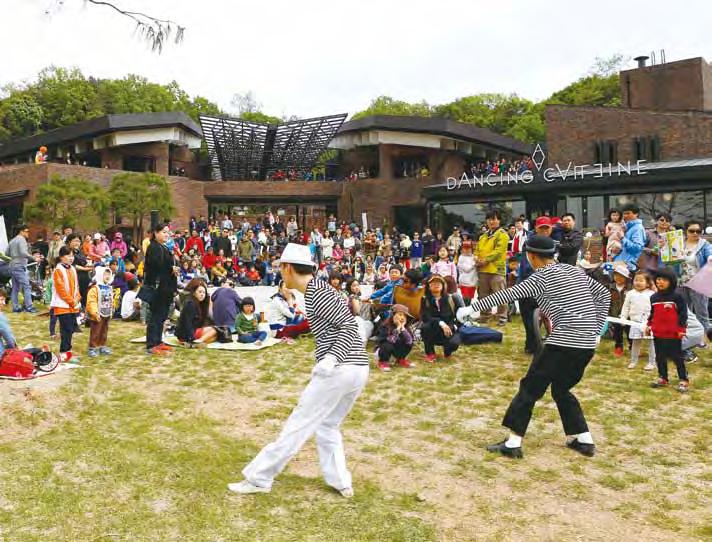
[
  {"x": 322, "y": 407},
  {"x": 365, "y": 329}
]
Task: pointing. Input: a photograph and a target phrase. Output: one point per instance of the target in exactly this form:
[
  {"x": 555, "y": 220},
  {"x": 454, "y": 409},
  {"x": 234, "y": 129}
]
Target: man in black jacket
[
  {"x": 224, "y": 243},
  {"x": 570, "y": 240}
]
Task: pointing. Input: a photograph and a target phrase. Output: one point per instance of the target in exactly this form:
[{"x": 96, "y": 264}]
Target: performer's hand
[
  {"x": 463, "y": 313},
  {"x": 325, "y": 367}
]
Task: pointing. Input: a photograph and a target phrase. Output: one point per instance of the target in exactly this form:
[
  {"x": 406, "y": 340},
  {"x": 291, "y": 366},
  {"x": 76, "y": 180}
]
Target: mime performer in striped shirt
[
  {"x": 338, "y": 378},
  {"x": 577, "y": 306}
]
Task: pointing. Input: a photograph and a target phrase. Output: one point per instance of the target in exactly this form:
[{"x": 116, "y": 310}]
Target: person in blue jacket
[
  {"x": 634, "y": 240},
  {"x": 416, "y": 251},
  {"x": 385, "y": 294}
]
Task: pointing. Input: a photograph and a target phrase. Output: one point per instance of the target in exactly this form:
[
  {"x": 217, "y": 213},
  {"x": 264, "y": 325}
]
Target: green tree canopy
[
  {"x": 135, "y": 195},
  {"x": 510, "y": 114},
  {"x": 62, "y": 96},
  {"x": 69, "y": 200}
]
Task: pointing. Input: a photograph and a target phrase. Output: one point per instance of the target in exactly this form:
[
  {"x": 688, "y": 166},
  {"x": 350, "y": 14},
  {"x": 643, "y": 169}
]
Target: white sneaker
[
  {"x": 246, "y": 488},
  {"x": 649, "y": 367},
  {"x": 347, "y": 492},
  {"x": 632, "y": 365}
]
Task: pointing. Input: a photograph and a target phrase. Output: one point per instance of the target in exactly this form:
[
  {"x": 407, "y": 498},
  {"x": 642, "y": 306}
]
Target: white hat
[
  {"x": 97, "y": 236},
  {"x": 297, "y": 254}
]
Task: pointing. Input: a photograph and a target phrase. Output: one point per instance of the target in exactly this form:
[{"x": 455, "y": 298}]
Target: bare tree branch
[{"x": 153, "y": 29}]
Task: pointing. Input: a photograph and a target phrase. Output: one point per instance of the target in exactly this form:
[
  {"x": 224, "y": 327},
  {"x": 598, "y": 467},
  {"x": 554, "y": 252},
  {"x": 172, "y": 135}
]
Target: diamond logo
[{"x": 538, "y": 156}]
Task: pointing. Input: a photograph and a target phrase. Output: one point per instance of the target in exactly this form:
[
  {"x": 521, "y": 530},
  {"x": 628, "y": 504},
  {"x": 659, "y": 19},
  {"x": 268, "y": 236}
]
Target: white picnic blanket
[
  {"x": 171, "y": 340},
  {"x": 61, "y": 367}
]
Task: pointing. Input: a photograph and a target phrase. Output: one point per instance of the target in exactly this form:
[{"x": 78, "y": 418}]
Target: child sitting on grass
[
  {"x": 667, "y": 323},
  {"x": 395, "y": 339},
  {"x": 636, "y": 308},
  {"x": 246, "y": 324}
]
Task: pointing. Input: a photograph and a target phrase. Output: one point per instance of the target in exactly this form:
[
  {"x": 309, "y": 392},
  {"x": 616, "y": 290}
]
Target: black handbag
[
  {"x": 146, "y": 294},
  {"x": 224, "y": 334}
]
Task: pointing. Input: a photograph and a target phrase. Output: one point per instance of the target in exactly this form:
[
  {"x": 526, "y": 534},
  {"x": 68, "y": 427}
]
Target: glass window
[
  {"x": 472, "y": 215},
  {"x": 575, "y": 205},
  {"x": 708, "y": 211},
  {"x": 595, "y": 212}
]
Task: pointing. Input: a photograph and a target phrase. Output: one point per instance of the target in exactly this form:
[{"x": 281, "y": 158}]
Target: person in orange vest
[{"x": 66, "y": 301}]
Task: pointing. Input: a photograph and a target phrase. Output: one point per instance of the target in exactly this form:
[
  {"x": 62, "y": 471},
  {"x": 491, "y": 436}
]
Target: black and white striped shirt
[
  {"x": 576, "y": 304},
  {"x": 333, "y": 325}
]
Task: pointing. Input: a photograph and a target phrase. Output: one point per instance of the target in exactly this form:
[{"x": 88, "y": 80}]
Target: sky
[{"x": 318, "y": 57}]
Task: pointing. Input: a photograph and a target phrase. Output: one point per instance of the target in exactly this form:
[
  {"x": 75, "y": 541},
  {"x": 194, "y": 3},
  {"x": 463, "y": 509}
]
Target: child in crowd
[
  {"x": 636, "y": 308},
  {"x": 614, "y": 233},
  {"x": 426, "y": 267},
  {"x": 66, "y": 301},
  {"x": 395, "y": 339},
  {"x": 445, "y": 268},
  {"x": 130, "y": 304},
  {"x": 385, "y": 295},
  {"x": 382, "y": 275},
  {"x": 285, "y": 319},
  {"x": 619, "y": 289},
  {"x": 466, "y": 268},
  {"x": 667, "y": 324},
  {"x": 253, "y": 275},
  {"x": 100, "y": 309},
  {"x": 360, "y": 309},
  {"x": 7, "y": 339},
  {"x": 218, "y": 273},
  {"x": 438, "y": 316},
  {"x": 191, "y": 328},
  {"x": 336, "y": 282},
  {"x": 246, "y": 324}
]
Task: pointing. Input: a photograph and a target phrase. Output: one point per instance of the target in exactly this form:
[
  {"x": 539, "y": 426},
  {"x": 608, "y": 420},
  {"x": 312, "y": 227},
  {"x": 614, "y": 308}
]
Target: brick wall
[
  {"x": 114, "y": 157},
  {"x": 672, "y": 86},
  {"x": 572, "y": 132}
]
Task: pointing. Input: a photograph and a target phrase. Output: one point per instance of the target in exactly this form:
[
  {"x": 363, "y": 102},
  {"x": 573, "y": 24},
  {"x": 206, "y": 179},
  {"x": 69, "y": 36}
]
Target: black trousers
[
  {"x": 533, "y": 342},
  {"x": 563, "y": 368},
  {"x": 618, "y": 331},
  {"x": 67, "y": 325},
  {"x": 154, "y": 324},
  {"x": 399, "y": 350},
  {"x": 432, "y": 335},
  {"x": 670, "y": 349}
]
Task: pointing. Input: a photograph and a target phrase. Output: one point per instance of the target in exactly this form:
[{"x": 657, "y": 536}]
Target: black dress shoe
[
  {"x": 588, "y": 450},
  {"x": 501, "y": 448}
]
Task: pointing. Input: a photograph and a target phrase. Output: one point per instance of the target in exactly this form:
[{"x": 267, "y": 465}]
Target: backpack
[
  {"x": 479, "y": 335},
  {"x": 17, "y": 364}
]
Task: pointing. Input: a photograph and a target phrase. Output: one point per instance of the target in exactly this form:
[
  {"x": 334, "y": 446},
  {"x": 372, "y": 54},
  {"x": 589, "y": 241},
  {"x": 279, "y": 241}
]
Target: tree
[
  {"x": 135, "y": 195},
  {"x": 245, "y": 103},
  {"x": 155, "y": 30},
  {"x": 69, "y": 201},
  {"x": 385, "y": 105},
  {"x": 62, "y": 96}
]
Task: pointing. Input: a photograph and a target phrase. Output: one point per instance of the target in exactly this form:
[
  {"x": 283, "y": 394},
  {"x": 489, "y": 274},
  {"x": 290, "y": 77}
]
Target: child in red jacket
[{"x": 668, "y": 324}]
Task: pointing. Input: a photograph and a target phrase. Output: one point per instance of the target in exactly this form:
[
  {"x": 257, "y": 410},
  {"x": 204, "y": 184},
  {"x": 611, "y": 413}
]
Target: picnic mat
[
  {"x": 171, "y": 340},
  {"x": 61, "y": 367}
]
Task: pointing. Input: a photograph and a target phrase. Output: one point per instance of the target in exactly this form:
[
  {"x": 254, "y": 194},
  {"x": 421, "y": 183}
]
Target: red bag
[{"x": 17, "y": 364}]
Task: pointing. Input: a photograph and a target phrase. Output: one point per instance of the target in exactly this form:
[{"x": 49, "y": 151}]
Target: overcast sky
[{"x": 317, "y": 57}]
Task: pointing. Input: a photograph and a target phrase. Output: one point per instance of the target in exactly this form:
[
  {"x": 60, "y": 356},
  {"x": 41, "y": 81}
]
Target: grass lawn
[{"x": 132, "y": 449}]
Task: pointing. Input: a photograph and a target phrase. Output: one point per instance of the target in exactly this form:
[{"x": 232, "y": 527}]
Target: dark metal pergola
[{"x": 244, "y": 150}]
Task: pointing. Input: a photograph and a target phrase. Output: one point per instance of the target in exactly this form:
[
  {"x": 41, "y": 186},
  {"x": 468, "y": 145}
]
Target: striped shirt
[
  {"x": 333, "y": 325},
  {"x": 576, "y": 304}
]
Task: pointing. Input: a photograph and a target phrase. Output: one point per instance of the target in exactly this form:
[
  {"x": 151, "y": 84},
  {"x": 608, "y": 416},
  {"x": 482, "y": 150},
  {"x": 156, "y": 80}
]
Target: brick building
[{"x": 655, "y": 150}]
